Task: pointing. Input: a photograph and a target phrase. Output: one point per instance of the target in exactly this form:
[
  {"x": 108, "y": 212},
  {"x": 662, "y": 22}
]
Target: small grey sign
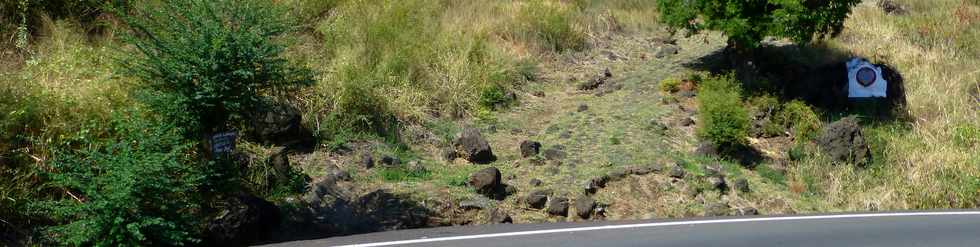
[{"x": 223, "y": 143}]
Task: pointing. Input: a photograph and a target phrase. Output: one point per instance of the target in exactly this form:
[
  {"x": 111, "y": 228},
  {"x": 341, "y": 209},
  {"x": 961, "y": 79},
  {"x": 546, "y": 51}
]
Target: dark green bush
[
  {"x": 136, "y": 187},
  {"x": 748, "y": 22},
  {"x": 724, "y": 120},
  {"x": 207, "y": 62},
  {"x": 799, "y": 117}
]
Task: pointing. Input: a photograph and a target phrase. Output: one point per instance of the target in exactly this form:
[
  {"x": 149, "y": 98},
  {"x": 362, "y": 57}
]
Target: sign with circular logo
[{"x": 866, "y": 76}]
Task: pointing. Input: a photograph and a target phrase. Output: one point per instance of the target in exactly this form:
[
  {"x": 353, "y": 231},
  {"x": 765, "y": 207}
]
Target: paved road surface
[{"x": 934, "y": 229}]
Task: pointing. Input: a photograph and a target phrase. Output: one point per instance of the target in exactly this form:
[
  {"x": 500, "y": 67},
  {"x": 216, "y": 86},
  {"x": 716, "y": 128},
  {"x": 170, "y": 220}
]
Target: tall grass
[{"x": 918, "y": 164}]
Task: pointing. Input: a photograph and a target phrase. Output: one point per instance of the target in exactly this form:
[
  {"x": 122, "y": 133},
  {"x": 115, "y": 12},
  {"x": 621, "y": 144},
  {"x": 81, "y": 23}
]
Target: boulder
[
  {"x": 243, "y": 220},
  {"x": 677, "y": 172},
  {"x": 471, "y": 145},
  {"x": 583, "y": 107},
  {"x": 556, "y": 152},
  {"x": 537, "y": 199},
  {"x": 499, "y": 216},
  {"x": 843, "y": 141},
  {"x": 539, "y": 94},
  {"x": 475, "y": 203},
  {"x": 530, "y": 148},
  {"x": 486, "y": 181},
  {"x": 592, "y": 84},
  {"x": 390, "y": 161},
  {"x": 558, "y": 206},
  {"x": 686, "y": 121},
  {"x": 742, "y": 185},
  {"x": 718, "y": 183},
  {"x": 584, "y": 206},
  {"x": 643, "y": 169},
  {"x": 595, "y": 184},
  {"x": 367, "y": 161},
  {"x": 534, "y": 182},
  {"x": 279, "y": 124}
]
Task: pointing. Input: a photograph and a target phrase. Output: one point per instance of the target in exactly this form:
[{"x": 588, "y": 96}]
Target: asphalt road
[{"x": 936, "y": 229}]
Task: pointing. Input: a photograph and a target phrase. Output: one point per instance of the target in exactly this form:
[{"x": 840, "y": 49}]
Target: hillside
[{"x": 384, "y": 115}]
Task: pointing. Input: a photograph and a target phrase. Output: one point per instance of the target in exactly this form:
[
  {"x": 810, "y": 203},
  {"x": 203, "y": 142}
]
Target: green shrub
[
  {"x": 748, "y": 22},
  {"x": 801, "y": 118},
  {"x": 205, "y": 63},
  {"x": 724, "y": 120},
  {"x": 670, "y": 85},
  {"x": 494, "y": 97},
  {"x": 135, "y": 187},
  {"x": 552, "y": 24}
]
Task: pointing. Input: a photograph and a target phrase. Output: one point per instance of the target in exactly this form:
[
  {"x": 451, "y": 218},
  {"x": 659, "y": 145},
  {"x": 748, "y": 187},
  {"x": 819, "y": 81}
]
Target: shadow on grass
[{"x": 815, "y": 74}]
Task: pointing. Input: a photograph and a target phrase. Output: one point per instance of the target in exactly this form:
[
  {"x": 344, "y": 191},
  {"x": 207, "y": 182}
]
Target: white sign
[{"x": 864, "y": 80}]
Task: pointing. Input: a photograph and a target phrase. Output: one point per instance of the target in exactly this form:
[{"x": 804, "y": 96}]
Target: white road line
[{"x": 694, "y": 222}]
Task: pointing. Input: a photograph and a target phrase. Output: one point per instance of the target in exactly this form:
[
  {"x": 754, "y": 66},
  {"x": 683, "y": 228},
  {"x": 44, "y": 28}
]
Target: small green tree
[
  {"x": 206, "y": 62},
  {"x": 746, "y": 22},
  {"x": 137, "y": 187},
  {"x": 724, "y": 120}
]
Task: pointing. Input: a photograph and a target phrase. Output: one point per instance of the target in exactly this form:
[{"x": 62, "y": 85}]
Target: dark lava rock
[
  {"x": 641, "y": 170},
  {"x": 499, "y": 216},
  {"x": 716, "y": 209},
  {"x": 607, "y": 73},
  {"x": 718, "y": 182},
  {"x": 677, "y": 172},
  {"x": 595, "y": 184},
  {"x": 742, "y": 185},
  {"x": 583, "y": 107},
  {"x": 844, "y": 141},
  {"x": 584, "y": 206},
  {"x": 244, "y": 220},
  {"x": 746, "y": 211},
  {"x": 475, "y": 203},
  {"x": 471, "y": 146},
  {"x": 535, "y": 182},
  {"x": 280, "y": 124},
  {"x": 667, "y": 50},
  {"x": 485, "y": 181},
  {"x": 390, "y": 161},
  {"x": 449, "y": 154},
  {"x": 537, "y": 199},
  {"x": 558, "y": 206},
  {"x": 367, "y": 161},
  {"x": 686, "y": 121},
  {"x": 538, "y": 94},
  {"x": 530, "y": 148},
  {"x": 892, "y": 8}
]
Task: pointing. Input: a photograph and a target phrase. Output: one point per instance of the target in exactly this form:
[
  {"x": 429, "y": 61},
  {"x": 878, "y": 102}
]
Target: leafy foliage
[
  {"x": 748, "y": 22},
  {"x": 136, "y": 187},
  {"x": 206, "y": 62},
  {"x": 724, "y": 120}
]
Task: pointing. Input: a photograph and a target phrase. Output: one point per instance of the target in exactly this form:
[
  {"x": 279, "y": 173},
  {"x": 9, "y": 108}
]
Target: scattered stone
[
  {"x": 747, "y": 211},
  {"x": 584, "y": 205},
  {"x": 558, "y": 206},
  {"x": 583, "y": 107},
  {"x": 416, "y": 167},
  {"x": 471, "y": 146},
  {"x": 390, "y": 161},
  {"x": 742, "y": 185},
  {"x": 537, "y": 199},
  {"x": 592, "y": 84},
  {"x": 844, "y": 141},
  {"x": 677, "y": 172},
  {"x": 595, "y": 184},
  {"x": 716, "y": 209},
  {"x": 341, "y": 175},
  {"x": 475, "y": 204},
  {"x": 535, "y": 182},
  {"x": 245, "y": 219},
  {"x": 643, "y": 170},
  {"x": 686, "y": 121},
  {"x": 607, "y": 73},
  {"x": 539, "y": 94},
  {"x": 892, "y": 8},
  {"x": 449, "y": 154},
  {"x": 499, "y": 216},
  {"x": 666, "y": 50},
  {"x": 718, "y": 182},
  {"x": 367, "y": 161},
  {"x": 713, "y": 170},
  {"x": 530, "y": 148},
  {"x": 485, "y": 181}
]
